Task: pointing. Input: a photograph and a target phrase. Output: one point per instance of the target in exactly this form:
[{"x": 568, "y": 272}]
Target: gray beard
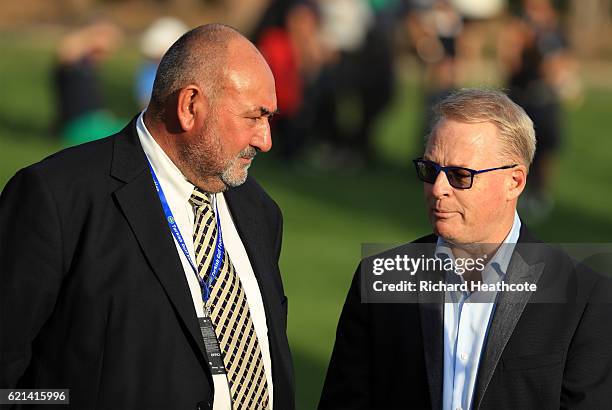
[
  {"x": 237, "y": 180},
  {"x": 202, "y": 159}
]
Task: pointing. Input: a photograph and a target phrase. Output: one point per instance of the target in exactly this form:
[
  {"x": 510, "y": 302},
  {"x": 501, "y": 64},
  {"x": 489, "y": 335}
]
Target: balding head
[
  {"x": 210, "y": 108},
  {"x": 198, "y": 57}
]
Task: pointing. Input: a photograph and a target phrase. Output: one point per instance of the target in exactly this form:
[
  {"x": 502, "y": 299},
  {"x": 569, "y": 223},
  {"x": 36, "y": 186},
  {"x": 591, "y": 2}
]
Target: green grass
[{"x": 327, "y": 216}]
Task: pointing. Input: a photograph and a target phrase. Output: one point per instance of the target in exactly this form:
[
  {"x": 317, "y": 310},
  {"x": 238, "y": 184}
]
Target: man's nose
[
  {"x": 441, "y": 187},
  {"x": 262, "y": 140}
]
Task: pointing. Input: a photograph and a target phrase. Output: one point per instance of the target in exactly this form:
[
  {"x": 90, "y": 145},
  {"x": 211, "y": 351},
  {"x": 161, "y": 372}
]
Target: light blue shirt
[{"x": 466, "y": 322}]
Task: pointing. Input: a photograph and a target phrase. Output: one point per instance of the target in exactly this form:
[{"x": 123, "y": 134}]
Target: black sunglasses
[{"x": 458, "y": 177}]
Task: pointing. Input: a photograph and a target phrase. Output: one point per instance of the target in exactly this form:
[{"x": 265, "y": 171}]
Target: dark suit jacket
[
  {"x": 92, "y": 291},
  {"x": 537, "y": 355}
]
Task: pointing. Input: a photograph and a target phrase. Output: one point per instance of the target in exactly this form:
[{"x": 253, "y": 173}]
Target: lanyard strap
[{"x": 205, "y": 286}]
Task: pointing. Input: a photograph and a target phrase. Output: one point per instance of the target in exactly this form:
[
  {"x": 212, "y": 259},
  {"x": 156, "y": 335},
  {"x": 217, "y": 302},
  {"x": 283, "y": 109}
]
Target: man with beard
[{"x": 141, "y": 270}]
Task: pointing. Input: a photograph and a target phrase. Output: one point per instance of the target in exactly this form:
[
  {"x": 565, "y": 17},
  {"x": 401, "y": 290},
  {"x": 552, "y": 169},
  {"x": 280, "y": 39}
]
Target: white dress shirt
[
  {"x": 466, "y": 323},
  {"x": 178, "y": 191}
]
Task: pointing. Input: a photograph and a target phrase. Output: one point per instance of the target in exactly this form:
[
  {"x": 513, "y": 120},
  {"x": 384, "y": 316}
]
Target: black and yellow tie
[{"x": 230, "y": 314}]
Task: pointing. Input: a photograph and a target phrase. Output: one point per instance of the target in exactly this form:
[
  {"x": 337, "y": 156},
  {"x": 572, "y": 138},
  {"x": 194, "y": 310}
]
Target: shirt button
[{"x": 464, "y": 356}]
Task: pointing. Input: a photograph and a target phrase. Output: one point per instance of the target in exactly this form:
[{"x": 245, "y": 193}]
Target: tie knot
[{"x": 199, "y": 198}]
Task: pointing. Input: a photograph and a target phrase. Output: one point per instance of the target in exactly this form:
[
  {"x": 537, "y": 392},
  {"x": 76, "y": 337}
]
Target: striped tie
[{"x": 230, "y": 315}]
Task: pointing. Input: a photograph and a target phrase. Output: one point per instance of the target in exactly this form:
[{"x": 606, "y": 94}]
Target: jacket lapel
[
  {"x": 508, "y": 310},
  {"x": 431, "y": 309},
  {"x": 140, "y": 204},
  {"x": 250, "y": 229}
]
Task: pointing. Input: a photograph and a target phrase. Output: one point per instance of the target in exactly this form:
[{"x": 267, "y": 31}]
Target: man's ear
[
  {"x": 192, "y": 107},
  {"x": 517, "y": 181}
]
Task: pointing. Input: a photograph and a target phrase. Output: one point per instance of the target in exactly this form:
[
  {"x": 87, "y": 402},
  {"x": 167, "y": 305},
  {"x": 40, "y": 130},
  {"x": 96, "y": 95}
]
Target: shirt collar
[{"x": 167, "y": 172}]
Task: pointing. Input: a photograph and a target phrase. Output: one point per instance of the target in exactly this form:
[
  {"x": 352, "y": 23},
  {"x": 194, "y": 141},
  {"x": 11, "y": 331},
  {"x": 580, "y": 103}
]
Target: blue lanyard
[{"x": 205, "y": 286}]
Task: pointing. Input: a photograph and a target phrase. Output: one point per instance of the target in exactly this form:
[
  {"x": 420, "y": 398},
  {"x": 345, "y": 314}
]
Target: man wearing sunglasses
[{"x": 547, "y": 346}]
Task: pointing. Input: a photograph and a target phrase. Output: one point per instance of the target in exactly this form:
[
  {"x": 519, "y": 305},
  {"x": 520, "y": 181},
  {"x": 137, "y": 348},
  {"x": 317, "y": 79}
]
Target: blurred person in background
[
  {"x": 359, "y": 82},
  {"x": 333, "y": 61},
  {"x": 434, "y": 27},
  {"x": 154, "y": 43},
  {"x": 481, "y": 24},
  {"x": 541, "y": 72},
  {"x": 288, "y": 36},
  {"x": 82, "y": 113}
]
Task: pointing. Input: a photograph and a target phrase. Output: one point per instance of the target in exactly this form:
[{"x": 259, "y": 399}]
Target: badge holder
[{"x": 211, "y": 344}]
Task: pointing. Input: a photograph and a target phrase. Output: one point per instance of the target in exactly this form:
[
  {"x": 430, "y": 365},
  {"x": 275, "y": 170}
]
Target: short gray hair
[
  {"x": 199, "y": 57},
  {"x": 472, "y": 105}
]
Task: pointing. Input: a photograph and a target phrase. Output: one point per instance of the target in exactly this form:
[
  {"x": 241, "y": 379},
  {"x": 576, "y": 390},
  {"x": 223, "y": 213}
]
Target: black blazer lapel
[
  {"x": 508, "y": 310},
  {"x": 250, "y": 229},
  {"x": 432, "y": 327},
  {"x": 140, "y": 204}
]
